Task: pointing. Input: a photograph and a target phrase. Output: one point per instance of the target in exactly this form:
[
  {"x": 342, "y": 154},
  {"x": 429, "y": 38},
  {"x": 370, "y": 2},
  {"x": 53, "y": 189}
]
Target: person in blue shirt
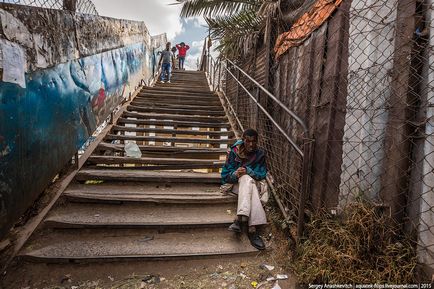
[{"x": 245, "y": 171}]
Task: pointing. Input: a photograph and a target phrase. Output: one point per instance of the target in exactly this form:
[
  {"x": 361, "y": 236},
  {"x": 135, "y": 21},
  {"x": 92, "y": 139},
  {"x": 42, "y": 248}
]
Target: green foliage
[
  {"x": 235, "y": 24},
  {"x": 213, "y": 8}
]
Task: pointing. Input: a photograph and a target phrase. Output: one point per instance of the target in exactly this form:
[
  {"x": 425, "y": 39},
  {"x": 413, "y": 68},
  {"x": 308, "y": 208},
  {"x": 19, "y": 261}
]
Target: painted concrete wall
[
  {"x": 426, "y": 197},
  {"x": 371, "y": 48},
  {"x": 62, "y": 75}
]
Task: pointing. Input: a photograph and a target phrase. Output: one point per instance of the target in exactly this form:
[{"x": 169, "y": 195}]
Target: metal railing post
[
  {"x": 219, "y": 75},
  {"x": 305, "y": 188}
]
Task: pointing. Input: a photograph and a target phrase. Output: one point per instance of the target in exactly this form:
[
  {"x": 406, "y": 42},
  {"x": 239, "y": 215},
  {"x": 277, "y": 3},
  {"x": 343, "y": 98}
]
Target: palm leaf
[{"x": 192, "y": 8}]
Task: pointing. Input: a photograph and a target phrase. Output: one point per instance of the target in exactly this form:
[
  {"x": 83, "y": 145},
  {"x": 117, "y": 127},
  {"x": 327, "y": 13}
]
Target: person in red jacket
[{"x": 182, "y": 52}]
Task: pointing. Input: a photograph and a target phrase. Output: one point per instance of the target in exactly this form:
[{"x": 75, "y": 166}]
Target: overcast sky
[{"x": 160, "y": 17}]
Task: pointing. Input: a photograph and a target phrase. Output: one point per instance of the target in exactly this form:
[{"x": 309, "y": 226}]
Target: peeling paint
[{"x": 78, "y": 71}]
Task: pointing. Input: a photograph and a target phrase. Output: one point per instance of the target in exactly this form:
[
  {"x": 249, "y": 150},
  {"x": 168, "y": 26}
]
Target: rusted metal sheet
[
  {"x": 394, "y": 181},
  {"x": 330, "y": 113}
]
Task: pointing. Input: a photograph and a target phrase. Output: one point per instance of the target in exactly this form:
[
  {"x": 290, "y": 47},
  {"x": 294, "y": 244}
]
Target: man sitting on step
[{"x": 244, "y": 174}]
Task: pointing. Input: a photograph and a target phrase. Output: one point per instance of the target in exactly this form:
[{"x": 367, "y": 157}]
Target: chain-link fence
[
  {"x": 80, "y": 6},
  {"x": 360, "y": 75}
]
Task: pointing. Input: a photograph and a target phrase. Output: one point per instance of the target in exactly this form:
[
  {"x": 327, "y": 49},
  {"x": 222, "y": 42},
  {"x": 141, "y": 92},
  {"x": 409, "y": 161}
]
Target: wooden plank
[
  {"x": 330, "y": 114},
  {"x": 172, "y": 123},
  {"x": 168, "y": 139},
  {"x": 170, "y": 131},
  {"x": 394, "y": 181},
  {"x": 176, "y": 111},
  {"x": 149, "y": 161},
  {"x": 214, "y": 119}
]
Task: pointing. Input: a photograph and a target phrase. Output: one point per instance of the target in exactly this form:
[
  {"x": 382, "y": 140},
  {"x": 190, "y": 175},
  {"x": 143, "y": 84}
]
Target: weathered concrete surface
[
  {"x": 371, "y": 48},
  {"x": 69, "y": 37},
  {"x": 426, "y": 197},
  {"x": 65, "y": 73}
]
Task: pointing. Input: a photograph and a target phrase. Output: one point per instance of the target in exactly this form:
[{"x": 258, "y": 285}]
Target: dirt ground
[
  {"x": 223, "y": 272},
  {"x": 229, "y": 273}
]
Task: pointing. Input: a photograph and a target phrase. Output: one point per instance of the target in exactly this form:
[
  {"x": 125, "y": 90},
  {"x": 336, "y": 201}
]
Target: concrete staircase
[{"x": 164, "y": 205}]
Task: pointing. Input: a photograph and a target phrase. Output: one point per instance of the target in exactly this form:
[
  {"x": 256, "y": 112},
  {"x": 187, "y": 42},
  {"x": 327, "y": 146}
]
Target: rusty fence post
[
  {"x": 70, "y": 5},
  {"x": 305, "y": 185}
]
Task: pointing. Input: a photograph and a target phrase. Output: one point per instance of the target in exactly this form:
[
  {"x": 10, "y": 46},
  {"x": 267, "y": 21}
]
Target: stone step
[
  {"x": 137, "y": 193},
  {"x": 203, "y": 112},
  {"x": 172, "y": 131},
  {"x": 167, "y": 150},
  {"x": 171, "y": 123},
  {"x": 147, "y": 176},
  {"x": 177, "y": 101},
  {"x": 168, "y": 104},
  {"x": 192, "y": 118},
  {"x": 176, "y": 140},
  {"x": 110, "y": 160},
  {"x": 140, "y": 215},
  {"x": 145, "y": 244}
]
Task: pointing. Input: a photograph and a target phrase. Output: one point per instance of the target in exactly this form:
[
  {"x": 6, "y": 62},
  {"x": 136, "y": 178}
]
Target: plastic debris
[
  {"x": 146, "y": 239},
  {"x": 67, "y": 278},
  {"x": 111, "y": 278},
  {"x": 132, "y": 150},
  {"x": 243, "y": 275},
  {"x": 276, "y": 286},
  {"x": 281, "y": 277},
  {"x": 254, "y": 284},
  {"x": 96, "y": 215},
  {"x": 93, "y": 182},
  {"x": 151, "y": 279},
  {"x": 229, "y": 212},
  {"x": 267, "y": 267}
]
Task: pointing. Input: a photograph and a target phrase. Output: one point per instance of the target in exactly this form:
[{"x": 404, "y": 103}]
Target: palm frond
[
  {"x": 192, "y": 8},
  {"x": 236, "y": 34}
]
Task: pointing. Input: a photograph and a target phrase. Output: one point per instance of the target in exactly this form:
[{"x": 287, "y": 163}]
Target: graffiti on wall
[{"x": 45, "y": 123}]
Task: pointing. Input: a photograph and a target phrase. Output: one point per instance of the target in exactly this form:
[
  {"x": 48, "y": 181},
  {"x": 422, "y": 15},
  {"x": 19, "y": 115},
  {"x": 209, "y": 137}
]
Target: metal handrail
[
  {"x": 304, "y": 151},
  {"x": 213, "y": 63},
  {"x": 290, "y": 140},
  {"x": 290, "y": 112}
]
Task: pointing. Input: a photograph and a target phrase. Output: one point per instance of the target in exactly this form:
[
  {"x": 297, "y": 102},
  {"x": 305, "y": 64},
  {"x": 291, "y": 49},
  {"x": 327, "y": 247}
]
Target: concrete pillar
[
  {"x": 371, "y": 48},
  {"x": 426, "y": 199}
]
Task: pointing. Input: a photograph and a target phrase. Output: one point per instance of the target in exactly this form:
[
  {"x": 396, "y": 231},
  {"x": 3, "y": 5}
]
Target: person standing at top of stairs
[
  {"x": 182, "y": 48},
  {"x": 166, "y": 61}
]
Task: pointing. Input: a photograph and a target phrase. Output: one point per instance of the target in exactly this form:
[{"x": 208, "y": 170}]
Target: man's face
[
  {"x": 168, "y": 46},
  {"x": 250, "y": 143}
]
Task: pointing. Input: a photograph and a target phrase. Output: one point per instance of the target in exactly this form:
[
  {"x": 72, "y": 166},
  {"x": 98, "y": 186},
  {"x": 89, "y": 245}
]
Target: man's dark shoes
[
  {"x": 235, "y": 227},
  {"x": 256, "y": 241}
]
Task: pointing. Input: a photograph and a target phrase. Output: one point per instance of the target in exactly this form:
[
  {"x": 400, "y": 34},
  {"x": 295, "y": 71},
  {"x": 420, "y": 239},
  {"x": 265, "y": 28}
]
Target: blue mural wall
[{"x": 44, "y": 124}]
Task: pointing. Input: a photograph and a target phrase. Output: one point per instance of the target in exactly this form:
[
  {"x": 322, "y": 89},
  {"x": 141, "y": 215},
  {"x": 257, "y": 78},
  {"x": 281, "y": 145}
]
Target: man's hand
[{"x": 240, "y": 172}]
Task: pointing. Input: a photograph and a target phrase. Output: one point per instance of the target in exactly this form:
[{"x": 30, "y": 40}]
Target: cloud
[{"x": 158, "y": 15}]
